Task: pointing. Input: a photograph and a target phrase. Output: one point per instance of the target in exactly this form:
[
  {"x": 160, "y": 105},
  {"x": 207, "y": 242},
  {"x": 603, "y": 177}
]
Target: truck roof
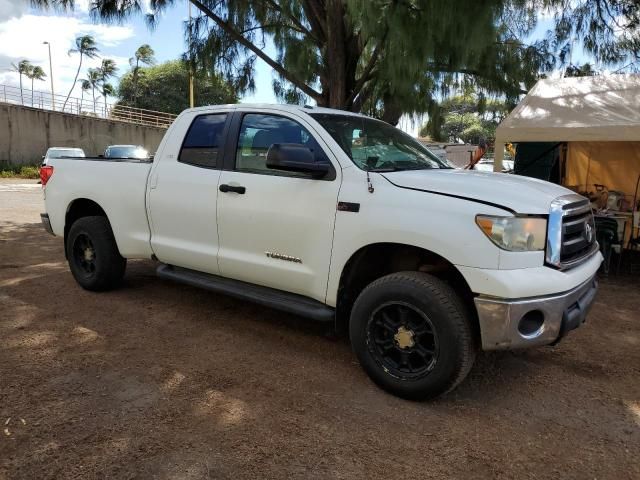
[{"x": 274, "y": 106}]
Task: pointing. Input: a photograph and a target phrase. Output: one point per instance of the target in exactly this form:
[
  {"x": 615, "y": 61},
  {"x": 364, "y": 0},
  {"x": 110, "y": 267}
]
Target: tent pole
[{"x": 498, "y": 154}]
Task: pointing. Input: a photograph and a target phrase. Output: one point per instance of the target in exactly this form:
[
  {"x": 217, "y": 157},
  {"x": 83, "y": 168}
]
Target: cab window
[{"x": 202, "y": 145}]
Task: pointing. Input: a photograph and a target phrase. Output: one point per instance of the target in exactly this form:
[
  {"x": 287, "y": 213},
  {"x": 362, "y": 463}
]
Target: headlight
[{"x": 516, "y": 234}]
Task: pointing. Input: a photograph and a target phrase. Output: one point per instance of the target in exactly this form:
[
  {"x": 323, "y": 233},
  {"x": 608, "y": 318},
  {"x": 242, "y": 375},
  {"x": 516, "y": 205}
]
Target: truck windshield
[
  {"x": 126, "y": 151},
  {"x": 68, "y": 152},
  {"x": 377, "y": 146}
]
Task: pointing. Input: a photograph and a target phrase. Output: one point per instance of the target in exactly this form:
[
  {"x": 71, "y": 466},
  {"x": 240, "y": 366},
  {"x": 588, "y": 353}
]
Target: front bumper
[
  {"x": 548, "y": 319},
  {"x": 46, "y": 223}
]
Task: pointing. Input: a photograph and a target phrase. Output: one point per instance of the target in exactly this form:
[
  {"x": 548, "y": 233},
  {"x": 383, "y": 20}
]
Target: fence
[{"x": 87, "y": 105}]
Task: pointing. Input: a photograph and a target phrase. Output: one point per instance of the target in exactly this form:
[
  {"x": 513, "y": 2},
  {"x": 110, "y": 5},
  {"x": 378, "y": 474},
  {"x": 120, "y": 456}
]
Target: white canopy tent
[{"x": 603, "y": 108}]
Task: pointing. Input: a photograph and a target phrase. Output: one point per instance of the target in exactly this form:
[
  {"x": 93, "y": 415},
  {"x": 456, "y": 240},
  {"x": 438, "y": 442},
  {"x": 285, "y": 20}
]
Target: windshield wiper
[{"x": 383, "y": 170}]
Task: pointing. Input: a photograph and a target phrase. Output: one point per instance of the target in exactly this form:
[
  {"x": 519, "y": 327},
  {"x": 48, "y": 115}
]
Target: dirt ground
[{"x": 160, "y": 380}]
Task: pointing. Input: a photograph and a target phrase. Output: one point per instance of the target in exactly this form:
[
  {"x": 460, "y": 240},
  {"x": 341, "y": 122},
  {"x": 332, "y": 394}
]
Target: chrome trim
[
  {"x": 554, "y": 232},
  {"x": 594, "y": 249},
  {"x": 557, "y": 212},
  {"x": 499, "y": 318}
]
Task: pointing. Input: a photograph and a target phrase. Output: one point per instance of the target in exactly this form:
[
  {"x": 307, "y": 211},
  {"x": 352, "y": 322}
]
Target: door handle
[{"x": 232, "y": 188}]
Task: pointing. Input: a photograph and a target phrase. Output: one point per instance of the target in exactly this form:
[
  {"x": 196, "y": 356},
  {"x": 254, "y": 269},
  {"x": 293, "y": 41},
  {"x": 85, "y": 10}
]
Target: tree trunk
[
  {"x": 21, "y": 94},
  {"x": 93, "y": 94},
  {"x": 336, "y": 56},
  {"x": 341, "y": 57},
  {"x": 74, "y": 83},
  {"x": 135, "y": 84},
  {"x": 392, "y": 111}
]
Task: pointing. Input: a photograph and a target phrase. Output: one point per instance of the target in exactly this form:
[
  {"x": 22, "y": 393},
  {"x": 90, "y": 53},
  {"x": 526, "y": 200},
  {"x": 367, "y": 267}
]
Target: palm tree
[
  {"x": 106, "y": 70},
  {"x": 145, "y": 55},
  {"x": 92, "y": 81},
  {"x": 86, "y": 47},
  {"x": 23, "y": 67},
  {"x": 85, "y": 87},
  {"x": 107, "y": 90},
  {"x": 34, "y": 73}
]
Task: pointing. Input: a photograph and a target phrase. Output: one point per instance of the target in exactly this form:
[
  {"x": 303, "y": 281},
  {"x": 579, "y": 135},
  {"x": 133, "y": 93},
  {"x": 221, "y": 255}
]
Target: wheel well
[
  {"x": 81, "y": 207},
  {"x": 380, "y": 259}
]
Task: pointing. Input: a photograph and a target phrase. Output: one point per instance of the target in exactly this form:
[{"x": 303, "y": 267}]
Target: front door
[
  {"x": 183, "y": 191},
  {"x": 276, "y": 227}
]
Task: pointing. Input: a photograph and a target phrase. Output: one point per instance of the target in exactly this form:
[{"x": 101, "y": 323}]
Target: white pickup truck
[{"x": 339, "y": 218}]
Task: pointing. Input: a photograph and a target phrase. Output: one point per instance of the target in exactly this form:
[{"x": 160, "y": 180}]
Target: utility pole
[
  {"x": 191, "y": 99},
  {"x": 53, "y": 98}
]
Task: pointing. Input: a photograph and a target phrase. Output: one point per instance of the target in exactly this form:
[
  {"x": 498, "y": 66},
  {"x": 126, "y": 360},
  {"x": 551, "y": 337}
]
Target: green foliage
[
  {"x": 86, "y": 47},
  {"x": 22, "y": 68},
  {"x": 143, "y": 55},
  {"x": 19, "y": 171},
  {"x": 165, "y": 88},
  {"x": 585, "y": 70},
  {"x": 470, "y": 118},
  {"x": 609, "y": 30},
  {"x": 388, "y": 57},
  {"x": 35, "y": 73}
]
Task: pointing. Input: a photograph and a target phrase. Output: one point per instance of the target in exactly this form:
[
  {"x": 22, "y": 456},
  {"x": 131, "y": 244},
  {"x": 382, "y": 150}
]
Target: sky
[{"x": 24, "y": 29}]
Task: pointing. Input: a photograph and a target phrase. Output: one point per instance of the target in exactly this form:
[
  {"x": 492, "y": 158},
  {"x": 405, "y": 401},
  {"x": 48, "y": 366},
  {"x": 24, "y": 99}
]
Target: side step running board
[{"x": 269, "y": 297}]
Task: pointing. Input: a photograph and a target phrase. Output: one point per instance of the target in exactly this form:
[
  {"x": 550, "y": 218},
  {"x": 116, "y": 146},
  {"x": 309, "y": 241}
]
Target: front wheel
[
  {"x": 93, "y": 255},
  {"x": 412, "y": 335}
]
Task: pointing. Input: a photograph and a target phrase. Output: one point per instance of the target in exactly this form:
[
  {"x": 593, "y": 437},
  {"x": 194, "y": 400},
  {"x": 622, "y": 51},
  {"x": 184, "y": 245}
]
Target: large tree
[
  {"x": 469, "y": 117},
  {"x": 164, "y": 88},
  {"x": 387, "y": 57},
  {"x": 22, "y": 68},
  {"x": 106, "y": 70},
  {"x": 86, "y": 47},
  {"x": 143, "y": 55},
  {"x": 91, "y": 82},
  {"x": 34, "y": 73}
]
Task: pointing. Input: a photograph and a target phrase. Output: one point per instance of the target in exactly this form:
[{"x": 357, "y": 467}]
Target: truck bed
[{"x": 117, "y": 185}]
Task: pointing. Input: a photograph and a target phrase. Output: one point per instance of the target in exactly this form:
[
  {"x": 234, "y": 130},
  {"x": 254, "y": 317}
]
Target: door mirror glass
[{"x": 295, "y": 157}]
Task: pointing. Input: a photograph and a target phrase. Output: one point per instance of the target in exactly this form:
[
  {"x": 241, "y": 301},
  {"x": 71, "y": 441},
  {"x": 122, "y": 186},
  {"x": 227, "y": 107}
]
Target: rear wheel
[
  {"x": 412, "y": 335},
  {"x": 93, "y": 256}
]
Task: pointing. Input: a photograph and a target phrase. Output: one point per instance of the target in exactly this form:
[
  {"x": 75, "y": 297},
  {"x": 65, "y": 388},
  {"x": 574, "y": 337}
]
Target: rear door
[
  {"x": 183, "y": 192},
  {"x": 276, "y": 227}
]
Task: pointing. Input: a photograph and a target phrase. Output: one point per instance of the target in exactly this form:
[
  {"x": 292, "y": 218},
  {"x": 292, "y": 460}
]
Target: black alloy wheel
[
  {"x": 84, "y": 254},
  {"x": 403, "y": 340}
]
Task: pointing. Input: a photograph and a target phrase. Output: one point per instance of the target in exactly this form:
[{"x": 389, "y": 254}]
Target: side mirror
[
  {"x": 43, "y": 157},
  {"x": 294, "y": 157}
]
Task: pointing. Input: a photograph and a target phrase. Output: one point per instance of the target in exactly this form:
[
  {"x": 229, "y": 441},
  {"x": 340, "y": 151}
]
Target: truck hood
[{"x": 512, "y": 192}]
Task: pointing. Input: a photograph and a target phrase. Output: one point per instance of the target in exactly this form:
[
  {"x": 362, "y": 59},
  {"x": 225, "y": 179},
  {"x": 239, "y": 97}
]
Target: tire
[
  {"x": 412, "y": 335},
  {"x": 93, "y": 256}
]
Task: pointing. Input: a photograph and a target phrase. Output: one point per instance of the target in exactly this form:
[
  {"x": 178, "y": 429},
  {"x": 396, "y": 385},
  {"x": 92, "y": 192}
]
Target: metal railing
[{"x": 87, "y": 105}]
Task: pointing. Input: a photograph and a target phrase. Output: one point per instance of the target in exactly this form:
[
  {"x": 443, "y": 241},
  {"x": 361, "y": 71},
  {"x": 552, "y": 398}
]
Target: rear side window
[{"x": 203, "y": 143}]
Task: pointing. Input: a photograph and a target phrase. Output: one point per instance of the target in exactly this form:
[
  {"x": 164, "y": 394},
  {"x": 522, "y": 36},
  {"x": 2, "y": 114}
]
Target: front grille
[{"x": 578, "y": 232}]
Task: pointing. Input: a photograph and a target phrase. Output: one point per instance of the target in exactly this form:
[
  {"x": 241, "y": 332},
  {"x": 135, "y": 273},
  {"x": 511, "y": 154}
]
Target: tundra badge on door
[{"x": 280, "y": 256}]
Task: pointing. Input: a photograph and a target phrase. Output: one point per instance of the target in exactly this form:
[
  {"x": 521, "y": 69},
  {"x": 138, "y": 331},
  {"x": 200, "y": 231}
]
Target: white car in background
[
  {"x": 62, "y": 152},
  {"x": 487, "y": 166}
]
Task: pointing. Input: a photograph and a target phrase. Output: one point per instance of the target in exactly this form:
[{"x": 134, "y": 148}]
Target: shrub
[{"x": 19, "y": 171}]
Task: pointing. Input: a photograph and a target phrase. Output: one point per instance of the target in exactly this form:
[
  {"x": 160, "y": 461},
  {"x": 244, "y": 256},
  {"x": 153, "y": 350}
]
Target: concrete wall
[{"x": 26, "y": 133}]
